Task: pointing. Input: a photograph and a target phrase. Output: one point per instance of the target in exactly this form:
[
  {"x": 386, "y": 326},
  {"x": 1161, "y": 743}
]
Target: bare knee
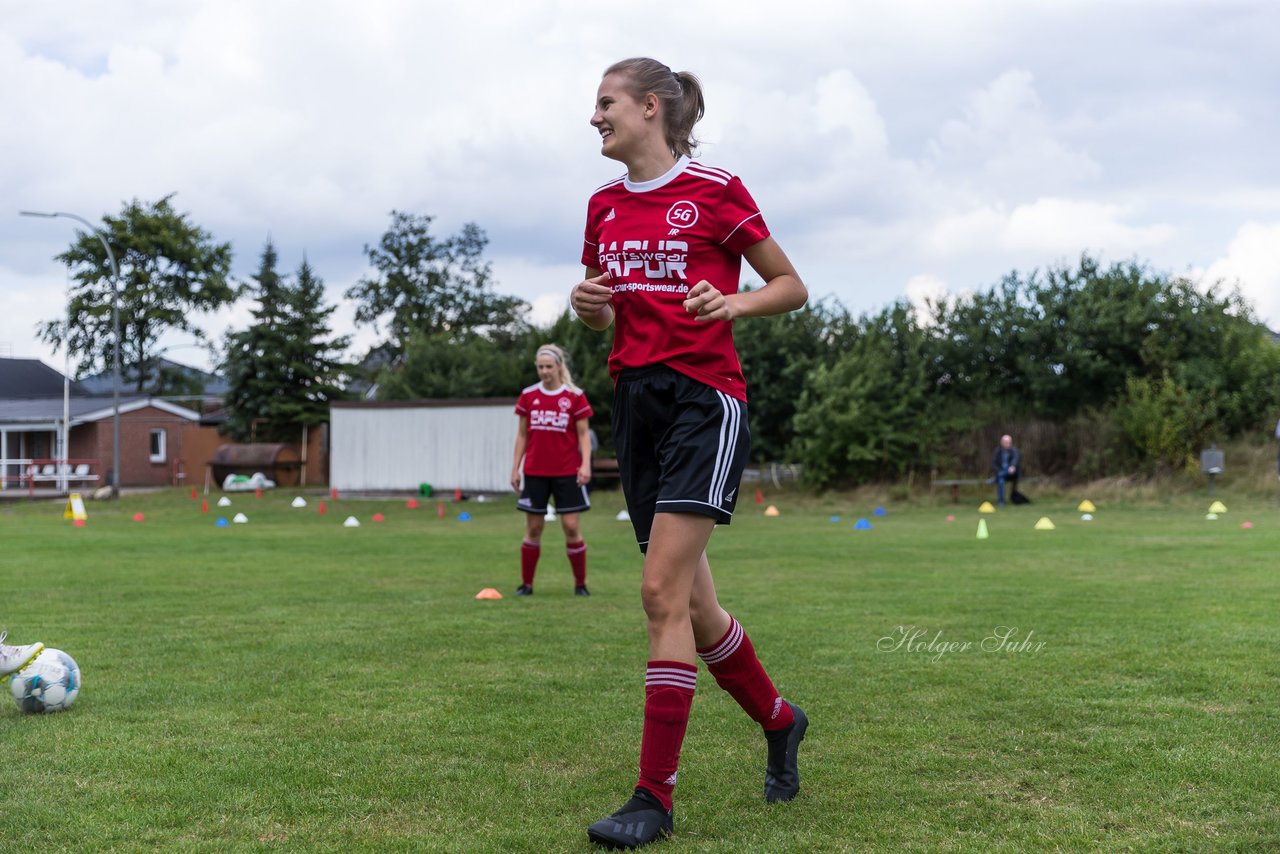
[
  {"x": 661, "y": 606},
  {"x": 533, "y": 528},
  {"x": 572, "y": 531}
]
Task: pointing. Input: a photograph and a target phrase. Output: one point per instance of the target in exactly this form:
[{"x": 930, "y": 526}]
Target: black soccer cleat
[
  {"x": 639, "y": 821},
  {"x": 524, "y": 590},
  {"x": 581, "y": 590},
  {"x": 782, "y": 775}
]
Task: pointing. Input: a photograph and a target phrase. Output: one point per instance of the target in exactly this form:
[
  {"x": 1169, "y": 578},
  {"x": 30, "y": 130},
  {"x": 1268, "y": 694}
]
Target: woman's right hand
[
  {"x": 515, "y": 479},
  {"x": 591, "y": 300}
]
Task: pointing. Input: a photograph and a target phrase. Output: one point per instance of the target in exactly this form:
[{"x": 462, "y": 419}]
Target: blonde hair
[
  {"x": 680, "y": 93},
  {"x": 557, "y": 353}
]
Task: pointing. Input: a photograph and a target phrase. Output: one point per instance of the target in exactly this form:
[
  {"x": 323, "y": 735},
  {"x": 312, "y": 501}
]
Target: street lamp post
[{"x": 115, "y": 345}]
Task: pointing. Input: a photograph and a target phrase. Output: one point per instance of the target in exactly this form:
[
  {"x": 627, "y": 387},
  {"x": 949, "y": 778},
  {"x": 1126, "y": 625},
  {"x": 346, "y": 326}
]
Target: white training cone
[
  {"x": 551, "y": 515},
  {"x": 1088, "y": 517},
  {"x": 623, "y": 516},
  {"x": 299, "y": 502},
  {"x": 224, "y": 501},
  {"x": 240, "y": 519},
  {"x": 351, "y": 522}
]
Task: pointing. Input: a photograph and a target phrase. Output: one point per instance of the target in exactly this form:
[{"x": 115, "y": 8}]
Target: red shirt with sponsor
[
  {"x": 656, "y": 240},
  {"x": 552, "y": 449}
]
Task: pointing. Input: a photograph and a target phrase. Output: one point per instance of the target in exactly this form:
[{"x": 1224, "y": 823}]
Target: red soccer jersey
[
  {"x": 656, "y": 240},
  {"x": 552, "y": 450}
]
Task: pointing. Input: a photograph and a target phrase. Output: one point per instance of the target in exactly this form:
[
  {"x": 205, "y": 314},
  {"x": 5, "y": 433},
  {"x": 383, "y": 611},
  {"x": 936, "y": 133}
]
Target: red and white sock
[
  {"x": 668, "y": 694},
  {"x": 529, "y": 553},
  {"x": 732, "y": 661},
  {"x": 577, "y": 553}
]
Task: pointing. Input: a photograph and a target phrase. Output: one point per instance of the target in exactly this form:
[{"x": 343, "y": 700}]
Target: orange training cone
[
  {"x": 488, "y": 593},
  {"x": 320, "y": 507}
]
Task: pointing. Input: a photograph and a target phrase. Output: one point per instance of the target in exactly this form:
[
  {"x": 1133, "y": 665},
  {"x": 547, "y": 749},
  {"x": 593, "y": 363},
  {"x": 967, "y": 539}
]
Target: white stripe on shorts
[{"x": 728, "y": 445}]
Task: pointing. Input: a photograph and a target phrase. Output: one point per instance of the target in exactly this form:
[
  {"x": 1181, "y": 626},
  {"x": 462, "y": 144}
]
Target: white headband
[{"x": 552, "y": 353}]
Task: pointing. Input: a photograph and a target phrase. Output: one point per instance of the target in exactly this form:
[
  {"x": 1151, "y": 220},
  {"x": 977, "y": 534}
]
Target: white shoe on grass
[{"x": 14, "y": 658}]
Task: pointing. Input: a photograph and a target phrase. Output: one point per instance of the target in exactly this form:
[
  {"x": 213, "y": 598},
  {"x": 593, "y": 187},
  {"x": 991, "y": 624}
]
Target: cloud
[
  {"x": 1046, "y": 227},
  {"x": 1253, "y": 260}
]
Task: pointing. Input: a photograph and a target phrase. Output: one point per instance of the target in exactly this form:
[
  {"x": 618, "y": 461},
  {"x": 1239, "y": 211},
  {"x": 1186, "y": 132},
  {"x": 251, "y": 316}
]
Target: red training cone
[
  {"x": 193, "y": 493},
  {"x": 457, "y": 494},
  {"x": 759, "y": 496},
  {"x": 333, "y": 493},
  {"x": 257, "y": 493},
  {"x": 440, "y": 509},
  {"x": 79, "y": 523},
  {"x": 204, "y": 506},
  {"x": 320, "y": 507},
  {"x": 378, "y": 517},
  {"x": 138, "y": 517},
  {"x": 412, "y": 504}
]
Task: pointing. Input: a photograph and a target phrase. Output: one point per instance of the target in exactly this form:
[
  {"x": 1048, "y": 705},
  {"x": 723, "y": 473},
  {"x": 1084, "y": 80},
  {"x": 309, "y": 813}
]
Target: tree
[
  {"x": 170, "y": 270},
  {"x": 284, "y": 369},
  {"x": 777, "y": 354},
  {"x": 429, "y": 285}
]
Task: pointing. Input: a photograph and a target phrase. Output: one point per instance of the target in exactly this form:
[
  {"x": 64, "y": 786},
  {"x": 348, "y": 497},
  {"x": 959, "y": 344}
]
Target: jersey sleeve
[
  {"x": 590, "y": 245},
  {"x": 522, "y": 405},
  {"x": 739, "y": 219},
  {"x": 581, "y": 408}
]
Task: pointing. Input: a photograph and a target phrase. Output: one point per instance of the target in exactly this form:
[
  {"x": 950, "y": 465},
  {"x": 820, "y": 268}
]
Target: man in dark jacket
[{"x": 1006, "y": 463}]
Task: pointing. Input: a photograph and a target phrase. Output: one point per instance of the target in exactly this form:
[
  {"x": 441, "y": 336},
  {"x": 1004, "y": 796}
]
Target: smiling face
[
  {"x": 548, "y": 371},
  {"x": 627, "y": 126}
]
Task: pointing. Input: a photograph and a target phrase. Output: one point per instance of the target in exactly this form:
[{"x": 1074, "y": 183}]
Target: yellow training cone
[
  {"x": 488, "y": 593},
  {"x": 1086, "y": 506},
  {"x": 986, "y": 507},
  {"x": 771, "y": 511},
  {"x": 1044, "y": 524},
  {"x": 982, "y": 529},
  {"x": 1217, "y": 507}
]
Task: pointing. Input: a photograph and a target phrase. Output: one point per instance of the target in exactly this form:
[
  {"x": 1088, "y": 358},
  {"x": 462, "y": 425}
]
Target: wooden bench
[
  {"x": 956, "y": 483},
  {"x": 605, "y": 468}
]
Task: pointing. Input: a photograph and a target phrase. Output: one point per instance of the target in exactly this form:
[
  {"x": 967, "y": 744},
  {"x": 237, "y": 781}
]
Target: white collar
[{"x": 661, "y": 181}]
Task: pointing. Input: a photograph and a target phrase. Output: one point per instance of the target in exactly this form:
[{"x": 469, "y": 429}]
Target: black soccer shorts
[
  {"x": 569, "y": 496},
  {"x": 682, "y": 446}
]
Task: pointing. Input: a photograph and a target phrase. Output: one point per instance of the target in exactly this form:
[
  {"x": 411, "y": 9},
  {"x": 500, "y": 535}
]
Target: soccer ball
[{"x": 49, "y": 683}]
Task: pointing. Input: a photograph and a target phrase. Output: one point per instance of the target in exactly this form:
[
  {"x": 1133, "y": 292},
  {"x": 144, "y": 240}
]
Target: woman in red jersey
[
  {"x": 663, "y": 250},
  {"x": 553, "y": 460}
]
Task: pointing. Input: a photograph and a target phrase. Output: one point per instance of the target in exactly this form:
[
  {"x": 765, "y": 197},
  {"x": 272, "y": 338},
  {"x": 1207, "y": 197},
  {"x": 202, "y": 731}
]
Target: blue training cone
[
  {"x": 464, "y": 516},
  {"x": 880, "y": 511},
  {"x": 835, "y": 518},
  {"x": 222, "y": 522},
  {"x": 862, "y": 525}
]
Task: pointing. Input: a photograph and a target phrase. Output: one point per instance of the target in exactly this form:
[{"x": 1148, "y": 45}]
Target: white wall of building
[{"x": 376, "y": 447}]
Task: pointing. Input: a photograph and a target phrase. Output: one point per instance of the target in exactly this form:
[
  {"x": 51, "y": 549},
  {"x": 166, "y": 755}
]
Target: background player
[
  {"x": 553, "y": 450},
  {"x": 663, "y": 251}
]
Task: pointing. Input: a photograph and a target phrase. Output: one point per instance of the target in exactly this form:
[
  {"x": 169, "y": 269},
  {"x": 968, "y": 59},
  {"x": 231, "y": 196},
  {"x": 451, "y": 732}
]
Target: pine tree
[{"x": 284, "y": 369}]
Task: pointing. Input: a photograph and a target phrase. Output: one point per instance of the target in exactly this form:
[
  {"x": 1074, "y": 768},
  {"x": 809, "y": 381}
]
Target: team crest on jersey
[
  {"x": 564, "y": 404},
  {"x": 682, "y": 215}
]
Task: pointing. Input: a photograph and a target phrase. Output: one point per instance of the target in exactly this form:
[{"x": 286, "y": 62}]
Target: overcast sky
[{"x": 896, "y": 148}]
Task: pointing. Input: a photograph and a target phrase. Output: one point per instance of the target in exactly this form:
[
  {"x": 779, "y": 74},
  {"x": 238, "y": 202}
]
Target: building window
[{"x": 157, "y": 445}]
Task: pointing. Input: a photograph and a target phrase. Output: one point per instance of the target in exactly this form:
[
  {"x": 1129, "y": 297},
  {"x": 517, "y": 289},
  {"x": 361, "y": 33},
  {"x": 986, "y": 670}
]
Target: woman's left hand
[
  {"x": 584, "y": 475},
  {"x": 707, "y": 303}
]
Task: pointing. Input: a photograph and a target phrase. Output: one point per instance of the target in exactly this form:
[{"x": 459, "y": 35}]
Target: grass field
[{"x": 293, "y": 685}]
